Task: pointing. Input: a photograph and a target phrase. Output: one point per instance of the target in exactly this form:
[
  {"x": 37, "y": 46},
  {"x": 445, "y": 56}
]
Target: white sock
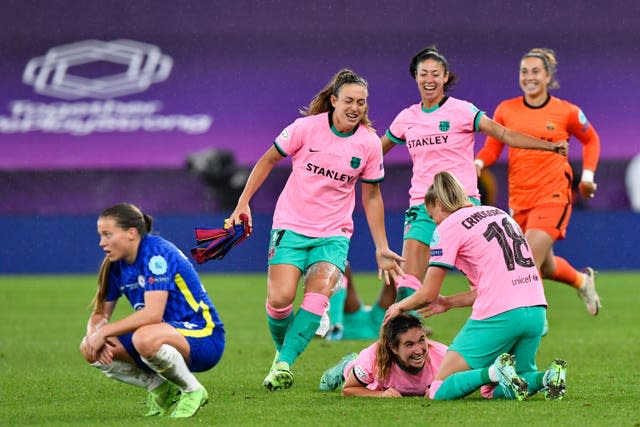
[
  {"x": 130, "y": 374},
  {"x": 493, "y": 375},
  {"x": 584, "y": 280},
  {"x": 169, "y": 363}
]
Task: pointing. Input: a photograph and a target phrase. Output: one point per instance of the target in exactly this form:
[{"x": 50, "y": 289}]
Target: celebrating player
[
  {"x": 403, "y": 362},
  {"x": 540, "y": 183},
  {"x": 331, "y": 147},
  {"x": 508, "y": 300},
  {"x": 439, "y": 134},
  {"x": 175, "y": 329}
]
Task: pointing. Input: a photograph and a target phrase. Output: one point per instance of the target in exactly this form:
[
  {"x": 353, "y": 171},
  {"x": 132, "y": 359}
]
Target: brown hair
[
  {"x": 126, "y": 216},
  {"x": 321, "y": 103},
  {"x": 448, "y": 191},
  {"x": 389, "y": 340},
  {"x": 431, "y": 52},
  {"x": 548, "y": 57}
]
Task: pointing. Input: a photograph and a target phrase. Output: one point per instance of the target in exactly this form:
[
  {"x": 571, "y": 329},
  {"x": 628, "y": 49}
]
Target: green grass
[{"x": 44, "y": 380}]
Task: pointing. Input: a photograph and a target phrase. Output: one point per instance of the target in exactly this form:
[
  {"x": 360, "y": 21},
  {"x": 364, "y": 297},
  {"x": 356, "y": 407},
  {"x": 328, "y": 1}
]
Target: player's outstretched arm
[{"x": 520, "y": 140}]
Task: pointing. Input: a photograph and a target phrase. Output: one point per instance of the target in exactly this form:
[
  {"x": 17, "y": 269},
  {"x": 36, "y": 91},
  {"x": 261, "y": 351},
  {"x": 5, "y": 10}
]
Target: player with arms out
[
  {"x": 439, "y": 135},
  {"x": 175, "y": 329},
  {"x": 509, "y": 306},
  {"x": 331, "y": 148},
  {"x": 540, "y": 183}
]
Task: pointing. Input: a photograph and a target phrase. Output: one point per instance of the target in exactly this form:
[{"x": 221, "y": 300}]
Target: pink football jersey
[
  {"x": 319, "y": 196},
  {"x": 438, "y": 139},
  {"x": 488, "y": 247}
]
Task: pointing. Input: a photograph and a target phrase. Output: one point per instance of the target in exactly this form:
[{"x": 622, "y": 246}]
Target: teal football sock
[
  {"x": 534, "y": 380},
  {"x": 299, "y": 335},
  {"x": 336, "y": 306},
  {"x": 460, "y": 384},
  {"x": 279, "y": 328}
]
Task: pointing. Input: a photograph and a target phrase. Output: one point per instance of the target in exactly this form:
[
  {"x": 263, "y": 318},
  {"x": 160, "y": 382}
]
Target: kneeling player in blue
[{"x": 175, "y": 329}]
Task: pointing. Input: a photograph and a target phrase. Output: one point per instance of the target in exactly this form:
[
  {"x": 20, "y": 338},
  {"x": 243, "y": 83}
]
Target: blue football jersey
[{"x": 160, "y": 265}]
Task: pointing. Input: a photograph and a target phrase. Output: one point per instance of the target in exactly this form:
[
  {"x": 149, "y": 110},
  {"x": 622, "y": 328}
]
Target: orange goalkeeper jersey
[{"x": 541, "y": 177}]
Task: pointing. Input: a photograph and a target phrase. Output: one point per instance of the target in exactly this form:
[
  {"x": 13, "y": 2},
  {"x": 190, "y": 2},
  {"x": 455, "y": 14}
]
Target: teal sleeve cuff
[
  {"x": 394, "y": 138},
  {"x": 372, "y": 181},
  {"x": 476, "y": 121},
  {"x": 280, "y": 150}
]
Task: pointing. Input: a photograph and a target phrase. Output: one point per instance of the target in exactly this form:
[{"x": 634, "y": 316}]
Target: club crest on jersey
[
  {"x": 444, "y": 126},
  {"x": 158, "y": 265},
  {"x": 355, "y": 162},
  {"x": 551, "y": 126}
]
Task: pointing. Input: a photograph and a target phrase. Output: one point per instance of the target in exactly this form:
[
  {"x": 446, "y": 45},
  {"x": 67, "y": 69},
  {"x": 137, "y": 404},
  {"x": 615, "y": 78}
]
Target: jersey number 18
[{"x": 511, "y": 251}]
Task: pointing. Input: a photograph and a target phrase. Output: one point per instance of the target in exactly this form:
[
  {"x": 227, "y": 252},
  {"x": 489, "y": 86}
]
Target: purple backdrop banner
[{"x": 143, "y": 84}]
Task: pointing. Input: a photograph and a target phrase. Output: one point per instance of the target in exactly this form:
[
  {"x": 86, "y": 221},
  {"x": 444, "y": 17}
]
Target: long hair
[
  {"x": 431, "y": 52},
  {"x": 448, "y": 191},
  {"x": 549, "y": 60},
  {"x": 321, "y": 103},
  {"x": 126, "y": 216},
  {"x": 389, "y": 340}
]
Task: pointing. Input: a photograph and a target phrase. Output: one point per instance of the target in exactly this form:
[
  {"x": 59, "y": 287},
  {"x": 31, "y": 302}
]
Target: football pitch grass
[{"x": 44, "y": 380}]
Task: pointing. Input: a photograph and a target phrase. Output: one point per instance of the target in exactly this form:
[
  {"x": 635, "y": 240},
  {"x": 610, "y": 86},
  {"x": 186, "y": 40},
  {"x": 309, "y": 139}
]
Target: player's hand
[
  {"x": 235, "y": 217},
  {"x": 389, "y": 265},
  {"x": 479, "y": 164},
  {"x": 105, "y": 355},
  {"x": 440, "y": 305},
  {"x": 391, "y": 392},
  {"x": 561, "y": 147},
  {"x": 92, "y": 354},
  {"x": 393, "y": 311},
  {"x": 587, "y": 189},
  {"x": 85, "y": 350},
  {"x": 94, "y": 343}
]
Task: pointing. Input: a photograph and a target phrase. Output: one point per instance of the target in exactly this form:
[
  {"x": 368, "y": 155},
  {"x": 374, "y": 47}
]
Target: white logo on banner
[{"x": 53, "y": 75}]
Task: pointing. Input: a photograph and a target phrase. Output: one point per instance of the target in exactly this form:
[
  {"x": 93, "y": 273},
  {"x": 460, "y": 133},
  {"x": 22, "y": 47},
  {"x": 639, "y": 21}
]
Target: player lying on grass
[
  {"x": 403, "y": 362},
  {"x": 509, "y": 306},
  {"x": 175, "y": 329}
]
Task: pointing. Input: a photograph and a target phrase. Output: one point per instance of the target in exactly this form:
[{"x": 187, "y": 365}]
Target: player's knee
[
  {"x": 278, "y": 300},
  {"x": 322, "y": 277},
  {"x": 145, "y": 341},
  {"x": 547, "y": 270}
]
